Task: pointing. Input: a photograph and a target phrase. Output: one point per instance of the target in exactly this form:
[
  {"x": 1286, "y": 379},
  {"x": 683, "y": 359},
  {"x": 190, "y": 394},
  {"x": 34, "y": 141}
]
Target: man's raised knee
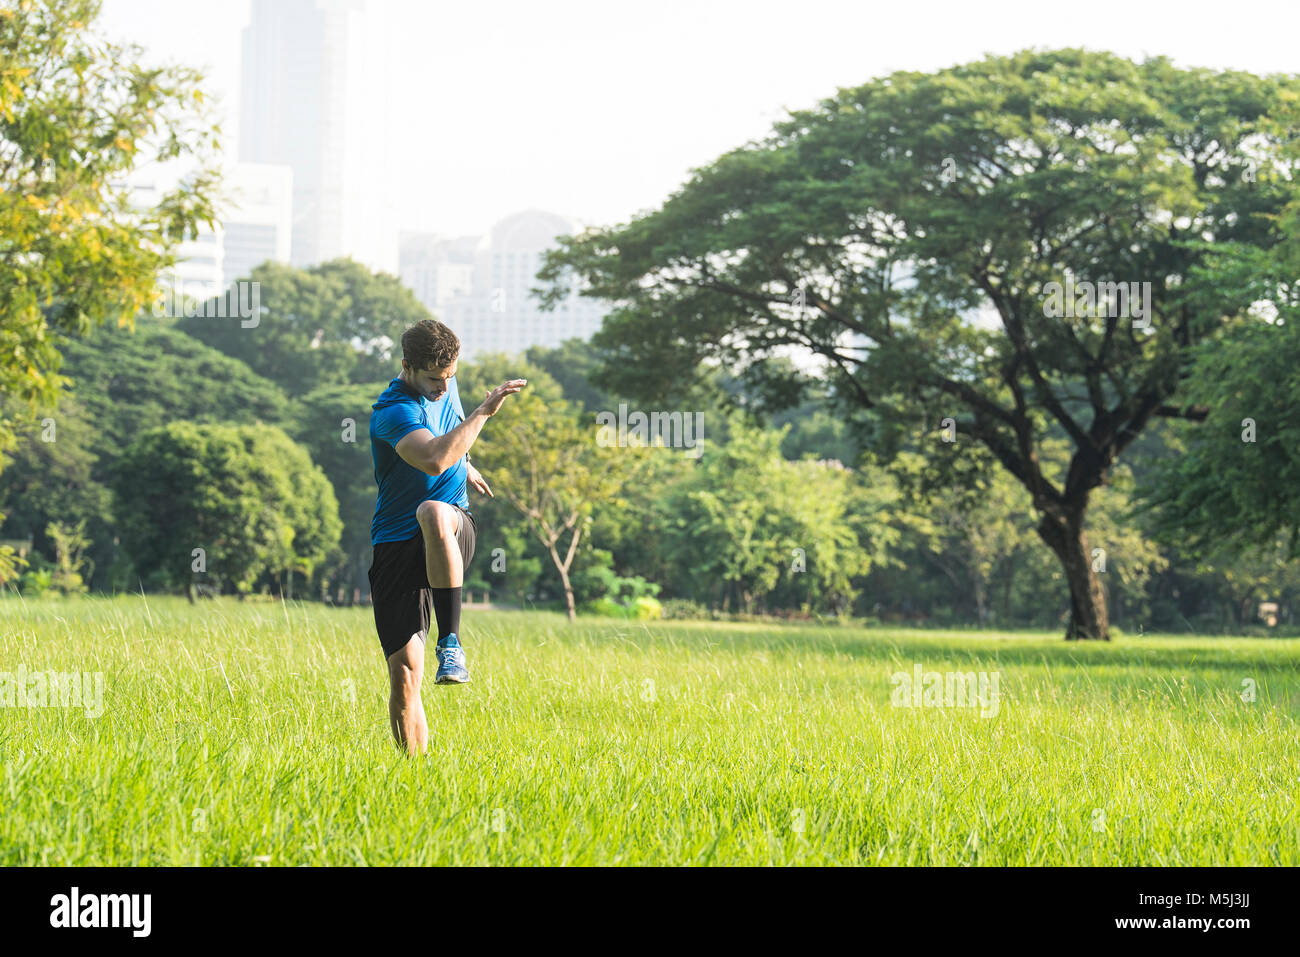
[{"x": 437, "y": 517}]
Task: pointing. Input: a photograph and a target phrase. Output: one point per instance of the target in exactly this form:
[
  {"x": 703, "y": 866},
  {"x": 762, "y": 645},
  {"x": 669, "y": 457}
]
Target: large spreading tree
[{"x": 908, "y": 232}]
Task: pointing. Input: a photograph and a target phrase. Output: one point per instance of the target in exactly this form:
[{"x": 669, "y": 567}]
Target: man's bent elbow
[{"x": 433, "y": 464}]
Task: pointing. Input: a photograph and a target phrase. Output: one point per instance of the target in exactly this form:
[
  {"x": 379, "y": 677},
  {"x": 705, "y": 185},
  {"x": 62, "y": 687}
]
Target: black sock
[{"x": 446, "y": 607}]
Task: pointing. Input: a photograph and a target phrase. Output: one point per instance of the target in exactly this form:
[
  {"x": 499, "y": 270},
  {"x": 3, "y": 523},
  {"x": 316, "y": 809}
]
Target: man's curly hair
[{"x": 429, "y": 345}]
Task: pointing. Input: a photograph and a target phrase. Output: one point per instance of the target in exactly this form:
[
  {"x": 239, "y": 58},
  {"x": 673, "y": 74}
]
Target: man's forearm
[{"x": 447, "y": 449}]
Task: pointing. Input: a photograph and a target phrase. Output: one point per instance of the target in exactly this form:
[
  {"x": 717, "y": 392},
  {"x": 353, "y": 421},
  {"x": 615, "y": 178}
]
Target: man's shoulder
[
  {"x": 395, "y": 397},
  {"x": 395, "y": 413}
]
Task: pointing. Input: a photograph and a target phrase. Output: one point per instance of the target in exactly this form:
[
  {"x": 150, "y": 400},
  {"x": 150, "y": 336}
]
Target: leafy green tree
[
  {"x": 70, "y": 562},
  {"x": 120, "y": 383},
  {"x": 475, "y": 379},
  {"x": 77, "y": 115},
  {"x": 777, "y": 392},
  {"x": 748, "y": 524},
  {"x": 331, "y": 324},
  {"x": 247, "y": 496},
  {"x": 971, "y": 534},
  {"x": 634, "y": 528},
  {"x": 128, "y": 381},
  {"x": 52, "y": 477},
  {"x": 511, "y": 560},
  {"x": 817, "y": 433},
  {"x": 877, "y": 228},
  {"x": 1243, "y": 578},
  {"x": 541, "y": 457}
]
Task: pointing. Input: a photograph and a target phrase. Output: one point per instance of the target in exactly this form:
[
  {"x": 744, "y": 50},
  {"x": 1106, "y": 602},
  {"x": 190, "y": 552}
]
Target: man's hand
[
  {"x": 495, "y": 397},
  {"x": 476, "y": 480}
]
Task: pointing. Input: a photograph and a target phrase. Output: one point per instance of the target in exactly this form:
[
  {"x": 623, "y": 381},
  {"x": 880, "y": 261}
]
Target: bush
[
  {"x": 644, "y": 608},
  {"x": 36, "y": 582},
  {"x": 608, "y": 607},
  {"x": 685, "y": 608}
]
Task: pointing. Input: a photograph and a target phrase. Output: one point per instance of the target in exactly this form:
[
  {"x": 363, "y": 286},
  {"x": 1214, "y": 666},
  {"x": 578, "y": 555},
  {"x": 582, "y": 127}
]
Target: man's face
[{"x": 430, "y": 383}]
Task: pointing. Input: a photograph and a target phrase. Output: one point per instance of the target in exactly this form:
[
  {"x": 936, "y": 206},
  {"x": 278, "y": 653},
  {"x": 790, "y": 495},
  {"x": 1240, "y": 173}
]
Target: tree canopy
[
  {"x": 331, "y": 324},
  {"x": 222, "y": 503},
  {"x": 77, "y": 115},
  {"x": 1236, "y": 486}
]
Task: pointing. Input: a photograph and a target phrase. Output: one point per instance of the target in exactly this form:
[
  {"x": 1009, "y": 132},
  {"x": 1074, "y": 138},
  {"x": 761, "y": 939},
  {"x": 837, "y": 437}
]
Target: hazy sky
[{"x": 599, "y": 109}]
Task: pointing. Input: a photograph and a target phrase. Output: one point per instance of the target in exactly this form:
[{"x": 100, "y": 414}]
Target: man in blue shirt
[{"x": 423, "y": 532}]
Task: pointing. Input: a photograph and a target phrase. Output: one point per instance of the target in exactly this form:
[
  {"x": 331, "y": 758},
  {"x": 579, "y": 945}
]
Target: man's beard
[{"x": 424, "y": 392}]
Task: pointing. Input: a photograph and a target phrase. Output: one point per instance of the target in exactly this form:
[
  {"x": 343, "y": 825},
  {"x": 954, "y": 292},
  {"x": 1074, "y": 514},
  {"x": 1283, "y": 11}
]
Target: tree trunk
[
  {"x": 568, "y": 595},
  {"x": 1062, "y": 530},
  {"x": 563, "y": 568}
]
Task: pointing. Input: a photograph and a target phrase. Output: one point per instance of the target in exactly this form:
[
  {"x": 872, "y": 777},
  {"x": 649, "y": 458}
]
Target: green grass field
[{"x": 239, "y": 734}]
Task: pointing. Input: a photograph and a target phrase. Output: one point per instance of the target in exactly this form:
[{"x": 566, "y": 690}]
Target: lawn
[{"x": 252, "y": 733}]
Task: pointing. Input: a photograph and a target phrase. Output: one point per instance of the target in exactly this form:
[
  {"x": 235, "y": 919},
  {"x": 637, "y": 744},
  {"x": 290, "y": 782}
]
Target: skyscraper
[
  {"x": 437, "y": 269},
  {"x": 314, "y": 97},
  {"x": 499, "y": 313},
  {"x": 259, "y": 226}
]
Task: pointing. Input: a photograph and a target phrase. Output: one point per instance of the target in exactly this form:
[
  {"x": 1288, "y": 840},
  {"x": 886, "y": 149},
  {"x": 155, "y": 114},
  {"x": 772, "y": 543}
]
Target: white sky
[{"x": 597, "y": 110}]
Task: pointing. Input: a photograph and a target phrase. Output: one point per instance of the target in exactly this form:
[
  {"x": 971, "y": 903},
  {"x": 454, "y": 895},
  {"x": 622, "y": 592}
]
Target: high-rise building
[
  {"x": 197, "y": 272},
  {"x": 259, "y": 223},
  {"x": 499, "y": 313},
  {"x": 314, "y": 97},
  {"x": 252, "y": 227},
  {"x": 435, "y": 268}
]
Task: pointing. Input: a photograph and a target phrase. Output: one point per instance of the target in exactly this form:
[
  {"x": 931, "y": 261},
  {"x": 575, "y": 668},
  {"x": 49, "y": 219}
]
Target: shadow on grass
[{"x": 1216, "y": 654}]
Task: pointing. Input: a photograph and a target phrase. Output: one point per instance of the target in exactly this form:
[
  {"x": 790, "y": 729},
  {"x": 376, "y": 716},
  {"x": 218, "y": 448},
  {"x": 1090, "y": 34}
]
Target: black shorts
[{"x": 399, "y": 584}]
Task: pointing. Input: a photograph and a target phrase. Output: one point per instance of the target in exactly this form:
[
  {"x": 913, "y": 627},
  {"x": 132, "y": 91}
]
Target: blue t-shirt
[{"x": 402, "y": 487}]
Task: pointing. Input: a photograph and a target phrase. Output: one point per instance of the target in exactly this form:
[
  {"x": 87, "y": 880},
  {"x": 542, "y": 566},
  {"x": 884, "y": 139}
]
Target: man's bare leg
[
  {"x": 444, "y": 566},
  {"x": 405, "y": 710},
  {"x": 442, "y": 559}
]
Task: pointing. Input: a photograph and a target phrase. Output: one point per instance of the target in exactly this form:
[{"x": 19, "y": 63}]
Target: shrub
[
  {"x": 36, "y": 582},
  {"x": 643, "y": 608},
  {"x": 646, "y": 608},
  {"x": 608, "y": 607},
  {"x": 685, "y": 608}
]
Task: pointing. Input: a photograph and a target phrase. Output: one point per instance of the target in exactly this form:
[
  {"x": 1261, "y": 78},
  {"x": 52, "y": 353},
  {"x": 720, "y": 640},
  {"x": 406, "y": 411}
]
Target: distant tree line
[{"x": 171, "y": 464}]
